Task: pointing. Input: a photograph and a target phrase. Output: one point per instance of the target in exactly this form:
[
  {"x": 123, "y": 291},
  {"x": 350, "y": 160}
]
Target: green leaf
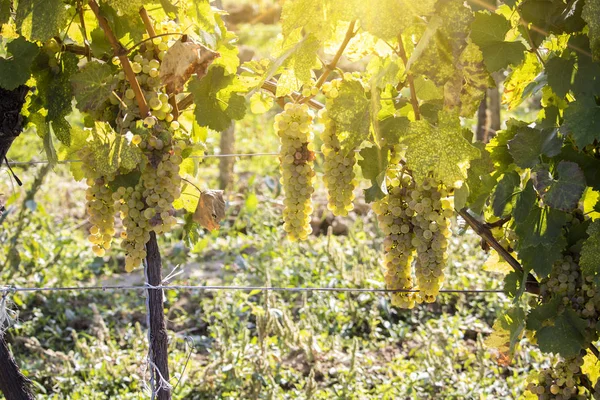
[
  {"x": 590, "y": 13},
  {"x": 503, "y": 199},
  {"x": 297, "y": 68},
  {"x": 488, "y": 31},
  {"x": 229, "y": 54},
  {"x": 589, "y": 165},
  {"x": 541, "y": 227},
  {"x": 351, "y": 113},
  {"x": 521, "y": 82},
  {"x": 565, "y": 192},
  {"x": 216, "y": 103},
  {"x": 582, "y": 121},
  {"x": 129, "y": 8},
  {"x": 566, "y": 337},
  {"x": 40, "y": 19},
  {"x": 443, "y": 42},
  {"x": 498, "y": 146},
  {"x": 93, "y": 86},
  {"x": 526, "y": 200},
  {"x": 4, "y": 11},
  {"x": 129, "y": 179},
  {"x": 479, "y": 180},
  {"x": 590, "y": 252},
  {"x": 59, "y": 96},
  {"x": 527, "y": 145},
  {"x": 542, "y": 313},
  {"x": 391, "y": 129},
  {"x": 317, "y": 17},
  {"x": 390, "y": 17},
  {"x": 260, "y": 102},
  {"x": 441, "y": 150},
  {"x": 467, "y": 88},
  {"x": 16, "y": 71},
  {"x": 560, "y": 75},
  {"x": 540, "y": 258},
  {"x": 374, "y": 164}
]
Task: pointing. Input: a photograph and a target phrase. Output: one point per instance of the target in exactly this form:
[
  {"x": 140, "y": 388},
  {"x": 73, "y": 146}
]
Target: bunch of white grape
[
  {"x": 294, "y": 127},
  {"x": 399, "y": 251},
  {"x": 430, "y": 215},
  {"x": 137, "y": 227},
  {"x": 560, "y": 382},
  {"x": 415, "y": 218},
  {"x": 100, "y": 205},
  {"x": 338, "y": 168}
]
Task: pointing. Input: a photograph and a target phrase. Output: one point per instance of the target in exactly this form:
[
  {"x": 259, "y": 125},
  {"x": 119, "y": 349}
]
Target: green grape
[
  {"x": 398, "y": 248},
  {"x": 100, "y": 206},
  {"x": 432, "y": 229},
  {"x": 560, "y": 381},
  {"x": 339, "y": 174},
  {"x": 293, "y": 126}
]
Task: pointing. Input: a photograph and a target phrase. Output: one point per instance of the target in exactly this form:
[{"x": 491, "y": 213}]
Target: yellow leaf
[{"x": 496, "y": 264}]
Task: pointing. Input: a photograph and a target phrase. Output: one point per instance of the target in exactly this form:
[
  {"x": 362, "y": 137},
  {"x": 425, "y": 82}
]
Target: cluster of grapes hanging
[{"x": 147, "y": 206}]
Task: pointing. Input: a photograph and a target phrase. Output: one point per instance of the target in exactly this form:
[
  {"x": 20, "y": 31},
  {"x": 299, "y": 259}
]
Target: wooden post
[
  {"x": 158, "y": 340},
  {"x": 13, "y": 384}
]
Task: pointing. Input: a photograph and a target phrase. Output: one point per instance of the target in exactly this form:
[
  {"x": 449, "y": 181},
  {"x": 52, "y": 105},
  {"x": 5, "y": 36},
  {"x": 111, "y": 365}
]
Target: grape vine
[{"x": 394, "y": 90}]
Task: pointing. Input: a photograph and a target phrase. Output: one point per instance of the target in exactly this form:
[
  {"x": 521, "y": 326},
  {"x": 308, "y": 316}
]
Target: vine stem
[
  {"x": 120, "y": 52},
  {"x": 410, "y": 78},
  {"x": 350, "y": 33},
  {"x": 152, "y": 34},
  {"x": 531, "y": 285},
  {"x": 86, "y": 43}
]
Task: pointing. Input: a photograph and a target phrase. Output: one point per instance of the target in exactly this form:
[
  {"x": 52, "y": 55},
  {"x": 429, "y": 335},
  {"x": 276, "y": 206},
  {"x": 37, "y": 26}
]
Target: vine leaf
[
  {"x": 210, "y": 210},
  {"x": 488, "y": 31},
  {"x": 93, "y": 86},
  {"x": 5, "y": 11},
  {"x": 351, "y": 113},
  {"x": 479, "y": 180},
  {"x": 297, "y": 68},
  {"x": 374, "y": 165},
  {"x": 441, "y": 150},
  {"x": 217, "y": 100},
  {"x": 507, "y": 330},
  {"x": 560, "y": 75},
  {"x": 128, "y": 8},
  {"x": 15, "y": 71},
  {"x": 582, "y": 120},
  {"x": 590, "y": 252},
  {"x": 541, "y": 227},
  {"x": 525, "y": 202},
  {"x": 498, "y": 146},
  {"x": 521, "y": 82},
  {"x": 565, "y": 192},
  {"x": 540, "y": 258},
  {"x": 527, "y": 145},
  {"x": 59, "y": 96},
  {"x": 40, "y": 19},
  {"x": 390, "y": 17},
  {"x": 503, "y": 199},
  {"x": 566, "y": 337},
  {"x": 182, "y": 60},
  {"x": 590, "y": 13}
]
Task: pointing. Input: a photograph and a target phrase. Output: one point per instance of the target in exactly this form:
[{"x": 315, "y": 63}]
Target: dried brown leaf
[
  {"x": 210, "y": 210},
  {"x": 183, "y": 59}
]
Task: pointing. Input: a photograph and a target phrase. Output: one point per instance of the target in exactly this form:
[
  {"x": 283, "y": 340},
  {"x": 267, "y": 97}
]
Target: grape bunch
[
  {"x": 415, "y": 219},
  {"x": 100, "y": 205},
  {"x": 146, "y": 206},
  {"x": 294, "y": 127},
  {"x": 560, "y": 382},
  {"x": 339, "y": 174},
  {"x": 137, "y": 226},
  {"x": 430, "y": 215},
  {"x": 398, "y": 228}
]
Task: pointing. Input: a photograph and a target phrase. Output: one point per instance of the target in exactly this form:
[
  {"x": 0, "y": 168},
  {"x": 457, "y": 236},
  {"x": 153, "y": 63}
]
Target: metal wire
[{"x": 14, "y": 289}]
